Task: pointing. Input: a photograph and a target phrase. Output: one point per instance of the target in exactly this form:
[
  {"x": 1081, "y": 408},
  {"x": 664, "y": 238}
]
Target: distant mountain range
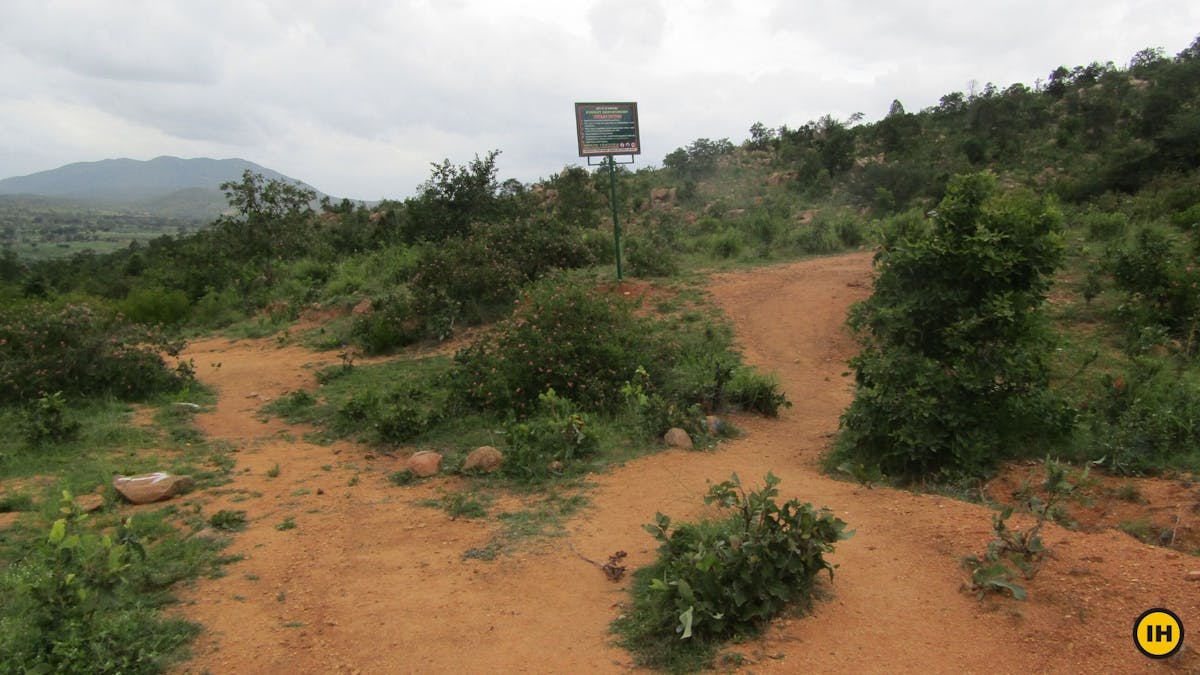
[{"x": 169, "y": 186}]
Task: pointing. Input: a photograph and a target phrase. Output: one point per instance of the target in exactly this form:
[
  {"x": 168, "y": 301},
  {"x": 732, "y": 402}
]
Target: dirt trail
[{"x": 370, "y": 582}]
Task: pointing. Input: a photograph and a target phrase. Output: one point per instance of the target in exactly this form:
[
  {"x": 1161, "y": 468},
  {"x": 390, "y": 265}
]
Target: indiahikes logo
[{"x": 1158, "y": 633}]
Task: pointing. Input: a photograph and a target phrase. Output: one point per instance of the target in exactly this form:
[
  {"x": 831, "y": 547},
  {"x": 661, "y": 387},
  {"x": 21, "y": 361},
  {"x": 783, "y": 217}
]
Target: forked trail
[{"x": 368, "y": 581}]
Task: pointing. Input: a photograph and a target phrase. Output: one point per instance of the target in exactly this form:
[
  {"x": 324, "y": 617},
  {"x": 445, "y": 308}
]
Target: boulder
[
  {"x": 424, "y": 464},
  {"x": 663, "y": 196},
  {"x": 152, "y": 487},
  {"x": 89, "y": 503},
  {"x": 678, "y": 438},
  {"x": 484, "y": 458}
]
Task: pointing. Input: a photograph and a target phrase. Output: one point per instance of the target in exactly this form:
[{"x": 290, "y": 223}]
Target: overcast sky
[{"x": 357, "y": 97}]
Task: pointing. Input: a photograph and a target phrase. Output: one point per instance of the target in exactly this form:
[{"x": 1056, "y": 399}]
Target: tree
[
  {"x": 454, "y": 197},
  {"x": 952, "y": 373},
  {"x": 761, "y": 138},
  {"x": 577, "y": 203},
  {"x": 257, "y": 198}
]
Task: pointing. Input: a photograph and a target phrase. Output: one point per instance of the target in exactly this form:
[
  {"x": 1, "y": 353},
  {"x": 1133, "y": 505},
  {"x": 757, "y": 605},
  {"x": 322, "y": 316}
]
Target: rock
[
  {"x": 89, "y": 503},
  {"x": 781, "y": 177},
  {"x": 366, "y": 306},
  {"x": 1194, "y": 575},
  {"x": 424, "y": 464},
  {"x": 208, "y": 533},
  {"x": 663, "y": 196},
  {"x": 152, "y": 487},
  {"x": 187, "y": 406},
  {"x": 734, "y": 213},
  {"x": 484, "y": 458},
  {"x": 555, "y": 466},
  {"x": 678, "y": 438},
  {"x": 715, "y": 424}
]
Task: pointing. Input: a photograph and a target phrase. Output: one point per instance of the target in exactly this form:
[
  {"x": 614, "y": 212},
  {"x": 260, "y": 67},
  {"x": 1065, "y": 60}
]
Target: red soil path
[{"x": 371, "y": 582}]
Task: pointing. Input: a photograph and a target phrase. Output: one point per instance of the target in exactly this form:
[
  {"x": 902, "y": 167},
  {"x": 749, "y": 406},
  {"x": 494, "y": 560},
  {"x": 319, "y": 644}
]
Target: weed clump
[{"x": 714, "y": 580}]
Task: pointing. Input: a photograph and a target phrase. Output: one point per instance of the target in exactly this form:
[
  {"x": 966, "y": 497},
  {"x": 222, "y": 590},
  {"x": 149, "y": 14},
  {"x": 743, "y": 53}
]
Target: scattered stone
[
  {"x": 320, "y": 491},
  {"x": 425, "y": 464},
  {"x": 208, "y": 533},
  {"x": 152, "y": 487},
  {"x": 678, "y": 438},
  {"x": 253, "y": 394},
  {"x": 364, "y": 307},
  {"x": 555, "y": 465},
  {"x": 715, "y": 424},
  {"x": 484, "y": 458},
  {"x": 663, "y": 196},
  {"x": 89, "y": 503},
  {"x": 1194, "y": 575},
  {"x": 734, "y": 213}
]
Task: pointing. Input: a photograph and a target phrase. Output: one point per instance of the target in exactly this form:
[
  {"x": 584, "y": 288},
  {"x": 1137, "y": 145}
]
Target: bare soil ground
[{"x": 368, "y": 581}]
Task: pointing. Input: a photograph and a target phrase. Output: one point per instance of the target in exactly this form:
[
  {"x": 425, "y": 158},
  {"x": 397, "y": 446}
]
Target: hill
[
  {"x": 135, "y": 182},
  {"x": 102, "y": 206}
]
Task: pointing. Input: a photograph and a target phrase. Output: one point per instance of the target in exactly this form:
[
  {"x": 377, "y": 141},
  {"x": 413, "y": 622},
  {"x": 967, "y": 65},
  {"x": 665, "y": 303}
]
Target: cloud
[{"x": 357, "y": 97}]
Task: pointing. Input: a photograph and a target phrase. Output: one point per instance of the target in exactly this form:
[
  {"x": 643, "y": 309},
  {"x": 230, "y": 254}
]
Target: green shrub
[
  {"x": 952, "y": 376},
  {"x": 650, "y": 255},
  {"x": 156, "y": 305},
  {"x": 756, "y": 392},
  {"x": 84, "y": 602},
  {"x": 390, "y": 325},
  {"x": 726, "y": 244},
  {"x": 816, "y": 238},
  {"x": 80, "y": 351},
  {"x": 657, "y": 413},
  {"x": 563, "y": 336},
  {"x": 550, "y": 441},
  {"x": 1148, "y": 419},
  {"x": 715, "y": 580},
  {"x": 850, "y": 230},
  {"x": 45, "y": 421},
  {"x": 600, "y": 246},
  {"x": 1101, "y": 226},
  {"x": 472, "y": 278},
  {"x": 393, "y": 415},
  {"x": 1162, "y": 286},
  {"x": 217, "y": 309}
]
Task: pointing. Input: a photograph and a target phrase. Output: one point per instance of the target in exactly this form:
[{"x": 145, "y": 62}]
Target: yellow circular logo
[{"x": 1158, "y": 633}]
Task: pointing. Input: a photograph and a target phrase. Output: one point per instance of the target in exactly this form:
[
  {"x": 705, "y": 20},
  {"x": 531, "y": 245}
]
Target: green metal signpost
[{"x": 605, "y": 130}]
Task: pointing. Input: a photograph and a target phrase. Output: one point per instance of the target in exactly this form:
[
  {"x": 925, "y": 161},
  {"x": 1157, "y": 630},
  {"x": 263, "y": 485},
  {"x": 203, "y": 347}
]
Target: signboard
[{"x": 607, "y": 129}]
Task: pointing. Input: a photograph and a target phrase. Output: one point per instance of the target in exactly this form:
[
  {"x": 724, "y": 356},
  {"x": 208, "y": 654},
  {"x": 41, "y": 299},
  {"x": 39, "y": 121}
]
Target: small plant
[
  {"x": 402, "y": 477},
  {"x": 715, "y": 580},
  {"x": 82, "y": 601},
  {"x": 45, "y": 422},
  {"x": 273, "y": 472},
  {"x": 465, "y": 505},
  {"x": 759, "y": 393},
  {"x": 1016, "y": 553},
  {"x": 288, "y": 523},
  {"x": 549, "y": 441},
  {"x": 228, "y": 521}
]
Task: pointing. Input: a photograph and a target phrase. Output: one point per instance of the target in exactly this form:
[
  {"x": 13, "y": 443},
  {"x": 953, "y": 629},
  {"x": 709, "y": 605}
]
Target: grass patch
[{"x": 544, "y": 518}]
